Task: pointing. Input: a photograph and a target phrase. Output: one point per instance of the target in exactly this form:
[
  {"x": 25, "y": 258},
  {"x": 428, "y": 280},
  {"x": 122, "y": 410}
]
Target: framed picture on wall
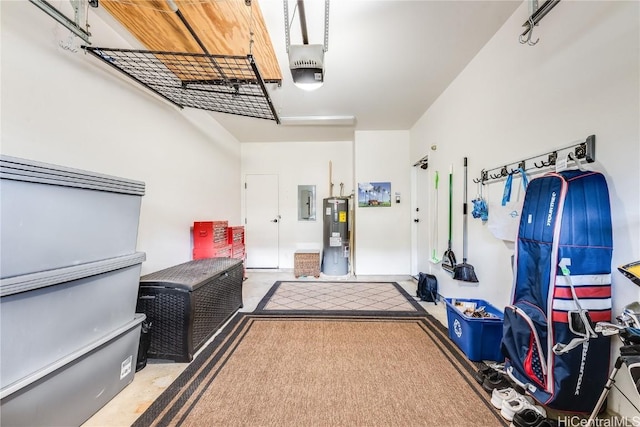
[{"x": 374, "y": 194}]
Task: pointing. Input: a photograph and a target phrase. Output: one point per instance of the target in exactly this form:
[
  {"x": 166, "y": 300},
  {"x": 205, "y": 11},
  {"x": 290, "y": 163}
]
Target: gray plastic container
[
  {"x": 54, "y": 217},
  {"x": 70, "y": 391},
  {"x": 46, "y": 316}
]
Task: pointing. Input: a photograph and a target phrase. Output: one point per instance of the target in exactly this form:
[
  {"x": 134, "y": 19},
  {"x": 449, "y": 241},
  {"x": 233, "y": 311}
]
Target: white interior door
[
  {"x": 423, "y": 219},
  {"x": 262, "y": 221}
]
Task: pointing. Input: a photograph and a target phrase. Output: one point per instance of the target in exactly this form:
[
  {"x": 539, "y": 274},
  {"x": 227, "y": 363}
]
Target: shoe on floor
[
  {"x": 500, "y": 395},
  {"x": 483, "y": 373},
  {"x": 527, "y": 418},
  {"x": 495, "y": 380},
  {"x": 511, "y": 407}
]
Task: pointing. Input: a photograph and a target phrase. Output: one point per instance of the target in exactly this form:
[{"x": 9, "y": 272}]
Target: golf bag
[
  {"x": 632, "y": 360},
  {"x": 562, "y": 285}
]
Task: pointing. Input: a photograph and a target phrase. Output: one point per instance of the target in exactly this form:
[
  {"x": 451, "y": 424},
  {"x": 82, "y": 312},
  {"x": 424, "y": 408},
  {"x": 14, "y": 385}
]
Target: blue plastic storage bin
[{"x": 478, "y": 338}]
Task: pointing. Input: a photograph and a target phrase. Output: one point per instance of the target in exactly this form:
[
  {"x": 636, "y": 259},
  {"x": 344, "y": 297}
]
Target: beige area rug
[
  {"x": 362, "y": 297},
  {"x": 323, "y": 370}
]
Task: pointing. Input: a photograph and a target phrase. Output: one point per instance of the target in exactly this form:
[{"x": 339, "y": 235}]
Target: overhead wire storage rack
[{"x": 221, "y": 83}]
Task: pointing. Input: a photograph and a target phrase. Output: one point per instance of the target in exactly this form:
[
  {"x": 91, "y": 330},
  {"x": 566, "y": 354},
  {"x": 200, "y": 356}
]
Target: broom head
[
  {"x": 448, "y": 261},
  {"x": 464, "y": 272}
]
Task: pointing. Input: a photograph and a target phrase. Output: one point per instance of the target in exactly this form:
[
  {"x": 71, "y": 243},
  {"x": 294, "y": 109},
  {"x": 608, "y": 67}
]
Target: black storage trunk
[{"x": 187, "y": 303}]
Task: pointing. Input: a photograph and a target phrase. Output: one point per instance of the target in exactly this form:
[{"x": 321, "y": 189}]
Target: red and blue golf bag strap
[{"x": 562, "y": 271}]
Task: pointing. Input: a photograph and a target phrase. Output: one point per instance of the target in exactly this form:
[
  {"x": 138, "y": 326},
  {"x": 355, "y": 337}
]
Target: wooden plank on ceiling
[{"x": 223, "y": 26}]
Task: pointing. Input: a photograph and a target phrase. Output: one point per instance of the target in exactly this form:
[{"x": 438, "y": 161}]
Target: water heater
[{"x": 335, "y": 256}]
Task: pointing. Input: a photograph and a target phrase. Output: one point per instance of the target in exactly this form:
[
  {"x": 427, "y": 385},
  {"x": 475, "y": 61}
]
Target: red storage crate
[
  {"x": 210, "y": 233},
  {"x": 223, "y": 252},
  {"x": 237, "y": 251},
  {"x": 208, "y": 237},
  {"x": 235, "y": 236},
  {"x": 203, "y": 252}
]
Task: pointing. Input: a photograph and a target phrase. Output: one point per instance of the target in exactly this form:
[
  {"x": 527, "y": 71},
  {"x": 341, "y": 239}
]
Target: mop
[{"x": 464, "y": 271}]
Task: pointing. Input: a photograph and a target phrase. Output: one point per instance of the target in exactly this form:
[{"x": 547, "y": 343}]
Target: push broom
[
  {"x": 449, "y": 258},
  {"x": 464, "y": 271}
]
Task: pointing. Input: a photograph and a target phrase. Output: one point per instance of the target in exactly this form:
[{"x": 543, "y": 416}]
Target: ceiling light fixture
[
  {"x": 318, "y": 121},
  {"x": 306, "y": 61}
]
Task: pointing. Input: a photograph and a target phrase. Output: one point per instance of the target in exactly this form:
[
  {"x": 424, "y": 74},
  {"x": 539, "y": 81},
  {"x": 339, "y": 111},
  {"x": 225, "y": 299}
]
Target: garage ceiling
[{"x": 387, "y": 60}]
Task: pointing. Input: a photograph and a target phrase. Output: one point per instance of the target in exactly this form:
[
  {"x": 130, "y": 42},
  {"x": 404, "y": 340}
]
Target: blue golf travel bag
[{"x": 562, "y": 286}]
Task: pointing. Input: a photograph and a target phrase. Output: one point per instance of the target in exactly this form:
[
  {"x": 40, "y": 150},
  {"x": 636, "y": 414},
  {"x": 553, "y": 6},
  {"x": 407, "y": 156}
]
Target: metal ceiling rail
[
  {"x": 536, "y": 16},
  {"x": 303, "y": 23},
  {"x": 72, "y": 26},
  {"x": 174, "y": 7}
]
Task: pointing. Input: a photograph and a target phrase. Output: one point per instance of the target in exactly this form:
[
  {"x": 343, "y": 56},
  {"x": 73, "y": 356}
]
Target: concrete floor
[{"x": 148, "y": 383}]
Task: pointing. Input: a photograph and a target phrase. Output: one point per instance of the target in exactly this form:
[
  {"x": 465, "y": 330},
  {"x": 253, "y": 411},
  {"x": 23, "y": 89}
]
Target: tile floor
[
  {"x": 147, "y": 384},
  {"x": 356, "y": 296}
]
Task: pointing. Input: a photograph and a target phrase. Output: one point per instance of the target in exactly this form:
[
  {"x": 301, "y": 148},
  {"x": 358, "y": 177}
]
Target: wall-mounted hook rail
[
  {"x": 529, "y": 34},
  {"x": 582, "y": 150},
  {"x": 551, "y": 161},
  {"x": 423, "y": 162},
  {"x": 483, "y": 177},
  {"x": 522, "y": 165},
  {"x": 533, "y": 20}
]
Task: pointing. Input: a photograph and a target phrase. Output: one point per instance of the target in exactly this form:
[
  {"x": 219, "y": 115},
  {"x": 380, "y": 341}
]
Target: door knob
[
  {"x": 416, "y": 220},
  {"x": 274, "y": 220}
]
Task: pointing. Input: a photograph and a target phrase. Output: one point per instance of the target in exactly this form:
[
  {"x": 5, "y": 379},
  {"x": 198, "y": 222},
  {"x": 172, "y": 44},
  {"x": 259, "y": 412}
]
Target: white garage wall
[
  {"x": 514, "y": 101},
  {"x": 383, "y": 234},
  {"x": 66, "y": 108},
  {"x": 300, "y": 163}
]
